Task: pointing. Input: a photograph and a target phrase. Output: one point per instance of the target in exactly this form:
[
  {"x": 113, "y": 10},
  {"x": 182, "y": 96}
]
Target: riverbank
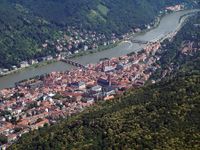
[
  {"x": 44, "y": 63},
  {"x": 167, "y": 24},
  {"x": 91, "y": 51},
  {"x": 40, "y": 64},
  {"x": 102, "y": 48},
  {"x": 159, "y": 18}
]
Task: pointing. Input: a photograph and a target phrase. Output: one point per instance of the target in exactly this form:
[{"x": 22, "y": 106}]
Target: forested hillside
[
  {"x": 102, "y": 15},
  {"x": 26, "y": 24},
  {"x": 164, "y": 115},
  {"x": 22, "y": 34},
  {"x": 182, "y": 55}
]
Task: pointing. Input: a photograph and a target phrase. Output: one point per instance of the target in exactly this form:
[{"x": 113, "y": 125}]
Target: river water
[{"x": 168, "y": 24}]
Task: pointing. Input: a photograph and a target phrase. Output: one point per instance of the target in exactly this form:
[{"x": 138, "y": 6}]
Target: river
[{"x": 168, "y": 24}]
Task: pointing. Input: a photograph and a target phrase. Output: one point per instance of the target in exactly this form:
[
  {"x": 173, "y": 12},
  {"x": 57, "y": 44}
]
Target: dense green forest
[
  {"x": 164, "y": 115},
  {"x": 22, "y": 34},
  {"x": 102, "y": 15},
  {"x": 26, "y": 24}
]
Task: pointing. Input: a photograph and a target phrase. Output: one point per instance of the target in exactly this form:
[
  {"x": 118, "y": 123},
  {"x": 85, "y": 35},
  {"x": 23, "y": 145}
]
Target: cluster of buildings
[
  {"x": 76, "y": 40},
  {"x": 44, "y": 100},
  {"x": 72, "y": 42},
  {"x": 24, "y": 64},
  {"x": 175, "y": 8},
  {"x": 189, "y": 47},
  {"x": 41, "y": 101}
]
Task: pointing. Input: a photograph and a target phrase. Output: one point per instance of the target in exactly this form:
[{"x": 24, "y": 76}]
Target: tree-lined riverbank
[{"x": 167, "y": 24}]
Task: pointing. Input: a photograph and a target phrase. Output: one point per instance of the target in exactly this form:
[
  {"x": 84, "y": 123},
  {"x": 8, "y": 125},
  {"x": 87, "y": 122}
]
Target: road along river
[{"x": 168, "y": 24}]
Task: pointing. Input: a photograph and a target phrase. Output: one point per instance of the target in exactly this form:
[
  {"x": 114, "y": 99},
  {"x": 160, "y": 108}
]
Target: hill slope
[
  {"x": 25, "y": 25},
  {"x": 21, "y": 34},
  {"x": 104, "y": 15},
  {"x": 182, "y": 55}
]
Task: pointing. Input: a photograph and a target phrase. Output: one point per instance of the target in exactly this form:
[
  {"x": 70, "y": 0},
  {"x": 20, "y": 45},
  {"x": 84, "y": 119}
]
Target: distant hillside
[
  {"x": 26, "y": 24},
  {"x": 21, "y": 34},
  {"x": 102, "y": 15}
]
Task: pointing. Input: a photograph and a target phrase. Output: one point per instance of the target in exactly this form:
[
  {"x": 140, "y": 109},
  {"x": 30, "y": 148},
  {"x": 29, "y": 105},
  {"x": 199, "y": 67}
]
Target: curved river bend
[{"x": 168, "y": 24}]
